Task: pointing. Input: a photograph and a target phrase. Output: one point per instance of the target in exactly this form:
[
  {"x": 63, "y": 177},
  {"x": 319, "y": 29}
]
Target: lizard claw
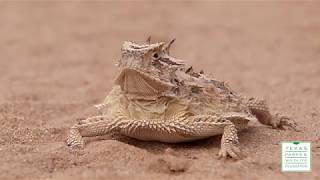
[
  {"x": 231, "y": 150},
  {"x": 76, "y": 145}
]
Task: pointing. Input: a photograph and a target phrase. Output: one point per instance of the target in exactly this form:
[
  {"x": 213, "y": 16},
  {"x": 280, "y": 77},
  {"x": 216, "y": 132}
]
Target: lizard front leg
[
  {"x": 93, "y": 126},
  {"x": 230, "y": 143}
]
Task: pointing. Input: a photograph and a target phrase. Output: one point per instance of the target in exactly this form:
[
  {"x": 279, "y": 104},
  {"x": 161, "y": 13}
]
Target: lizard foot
[
  {"x": 279, "y": 122},
  {"x": 229, "y": 149},
  {"x": 75, "y": 139}
]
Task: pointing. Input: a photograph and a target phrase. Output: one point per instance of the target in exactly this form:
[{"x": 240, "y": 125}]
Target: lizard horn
[
  {"x": 168, "y": 45},
  {"x": 148, "y": 40}
]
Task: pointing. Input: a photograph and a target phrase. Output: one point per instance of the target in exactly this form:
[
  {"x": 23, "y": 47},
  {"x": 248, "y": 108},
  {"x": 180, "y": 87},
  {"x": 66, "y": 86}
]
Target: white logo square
[{"x": 296, "y": 156}]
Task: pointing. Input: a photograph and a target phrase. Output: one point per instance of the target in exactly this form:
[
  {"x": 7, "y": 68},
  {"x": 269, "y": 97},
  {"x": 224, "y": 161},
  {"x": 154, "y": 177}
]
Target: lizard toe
[
  {"x": 280, "y": 122},
  {"x": 230, "y": 150}
]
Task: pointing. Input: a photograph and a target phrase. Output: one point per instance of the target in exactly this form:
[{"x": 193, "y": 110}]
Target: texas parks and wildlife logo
[{"x": 296, "y": 156}]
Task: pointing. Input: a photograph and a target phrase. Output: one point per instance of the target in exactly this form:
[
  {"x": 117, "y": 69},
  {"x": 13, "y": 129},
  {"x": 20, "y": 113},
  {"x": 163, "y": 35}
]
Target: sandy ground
[{"x": 57, "y": 60}]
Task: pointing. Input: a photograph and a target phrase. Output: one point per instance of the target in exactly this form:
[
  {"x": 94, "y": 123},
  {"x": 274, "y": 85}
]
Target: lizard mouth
[
  {"x": 171, "y": 61},
  {"x": 136, "y": 82}
]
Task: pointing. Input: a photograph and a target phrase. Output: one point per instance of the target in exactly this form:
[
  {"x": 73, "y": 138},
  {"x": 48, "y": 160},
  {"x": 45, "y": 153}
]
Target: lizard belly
[{"x": 145, "y": 134}]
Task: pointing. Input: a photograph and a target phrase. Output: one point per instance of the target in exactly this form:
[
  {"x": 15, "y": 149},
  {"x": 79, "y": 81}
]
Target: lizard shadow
[
  {"x": 159, "y": 148},
  {"x": 156, "y": 147}
]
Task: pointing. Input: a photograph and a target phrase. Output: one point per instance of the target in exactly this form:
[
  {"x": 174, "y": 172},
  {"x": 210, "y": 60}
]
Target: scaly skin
[{"x": 158, "y": 98}]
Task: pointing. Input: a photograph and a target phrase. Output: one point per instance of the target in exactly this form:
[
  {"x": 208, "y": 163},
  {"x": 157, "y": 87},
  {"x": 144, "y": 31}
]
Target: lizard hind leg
[{"x": 260, "y": 109}]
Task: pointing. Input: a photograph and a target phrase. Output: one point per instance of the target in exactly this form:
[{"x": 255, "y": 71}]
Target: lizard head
[{"x": 145, "y": 68}]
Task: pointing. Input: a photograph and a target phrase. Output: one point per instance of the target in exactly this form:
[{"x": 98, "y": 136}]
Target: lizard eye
[{"x": 155, "y": 55}]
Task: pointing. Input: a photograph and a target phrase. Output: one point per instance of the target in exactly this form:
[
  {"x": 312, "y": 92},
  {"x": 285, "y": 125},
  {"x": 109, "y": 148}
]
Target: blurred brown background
[{"x": 57, "y": 59}]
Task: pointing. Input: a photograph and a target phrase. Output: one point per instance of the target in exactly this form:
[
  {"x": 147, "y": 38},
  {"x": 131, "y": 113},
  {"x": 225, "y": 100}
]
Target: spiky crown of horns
[{"x": 131, "y": 47}]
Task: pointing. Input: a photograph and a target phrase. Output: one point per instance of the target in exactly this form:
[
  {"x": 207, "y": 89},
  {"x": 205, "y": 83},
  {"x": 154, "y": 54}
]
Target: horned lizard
[{"x": 157, "y": 97}]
